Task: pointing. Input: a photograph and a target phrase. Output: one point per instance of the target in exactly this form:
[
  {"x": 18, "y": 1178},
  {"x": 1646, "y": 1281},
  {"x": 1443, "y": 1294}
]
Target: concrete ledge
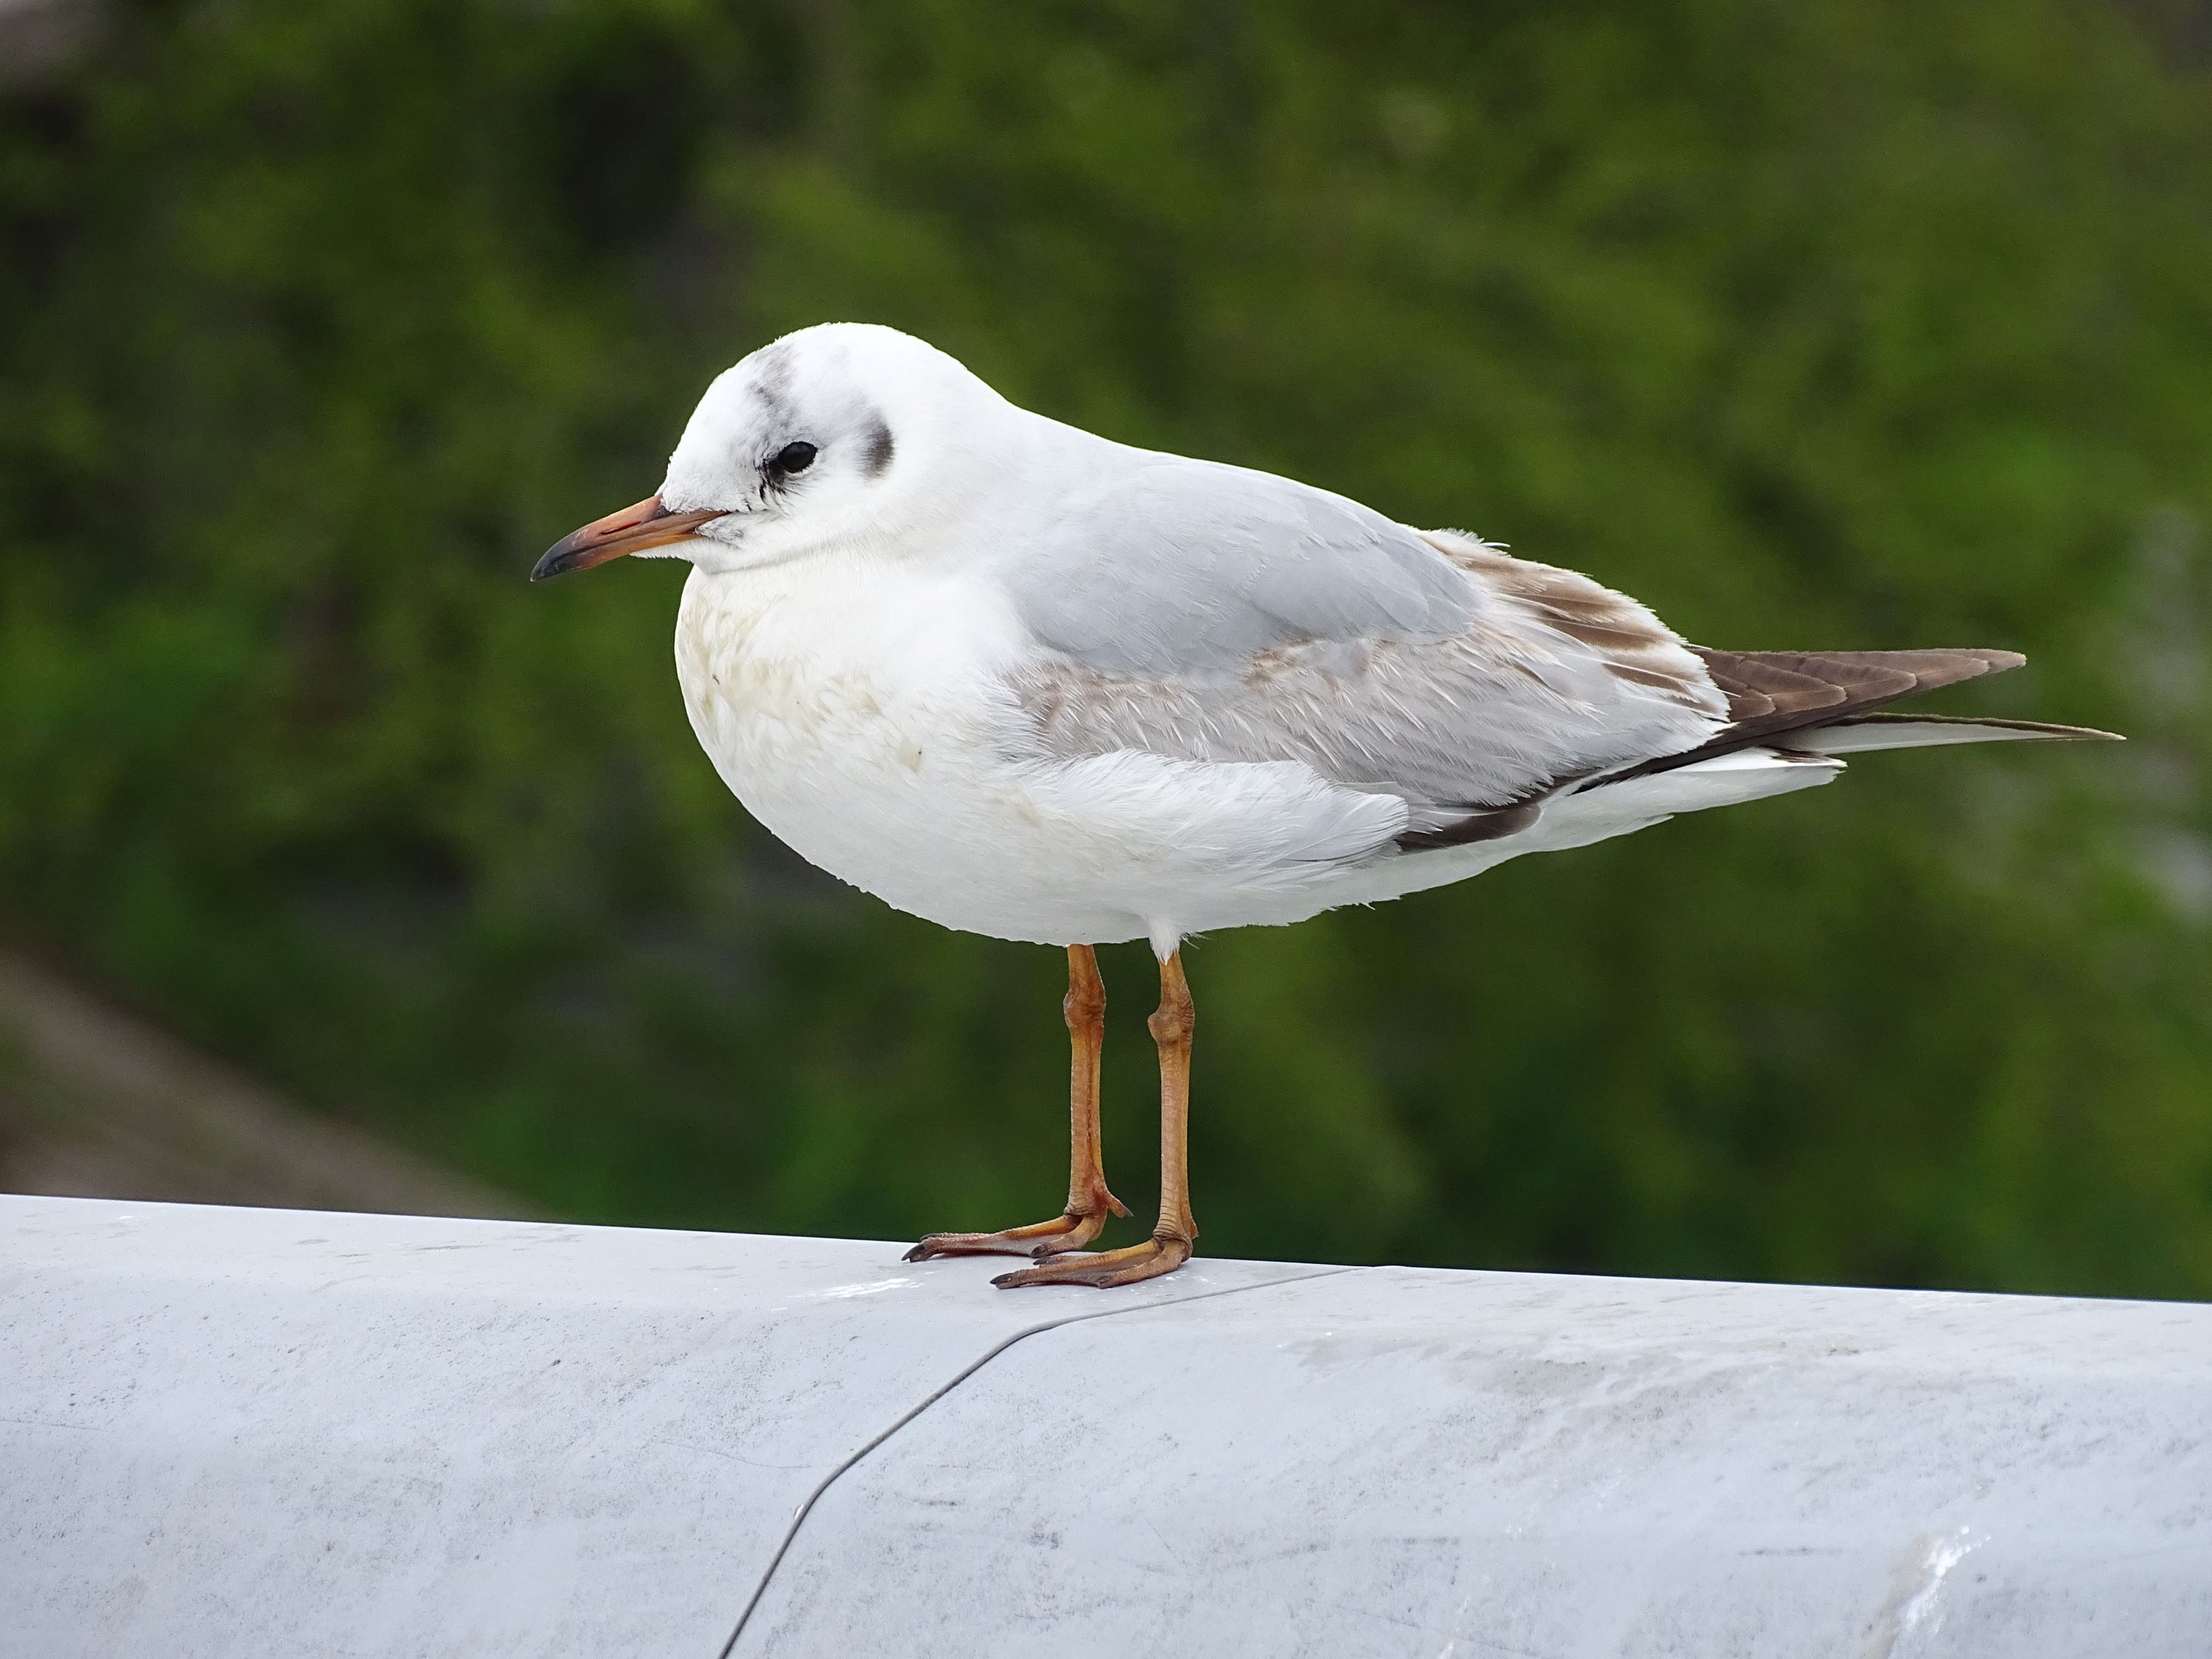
[{"x": 279, "y": 1433}]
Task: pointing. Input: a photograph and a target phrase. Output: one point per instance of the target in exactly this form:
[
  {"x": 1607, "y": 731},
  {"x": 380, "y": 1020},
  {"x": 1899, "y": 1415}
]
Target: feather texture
[{"x": 1549, "y": 679}]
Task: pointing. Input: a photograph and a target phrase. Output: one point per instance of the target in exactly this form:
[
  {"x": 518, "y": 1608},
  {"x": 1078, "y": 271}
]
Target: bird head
[{"x": 822, "y": 437}]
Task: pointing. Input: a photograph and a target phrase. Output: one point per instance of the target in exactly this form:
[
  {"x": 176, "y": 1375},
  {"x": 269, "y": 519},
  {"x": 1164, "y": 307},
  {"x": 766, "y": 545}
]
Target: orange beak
[{"x": 646, "y": 523}]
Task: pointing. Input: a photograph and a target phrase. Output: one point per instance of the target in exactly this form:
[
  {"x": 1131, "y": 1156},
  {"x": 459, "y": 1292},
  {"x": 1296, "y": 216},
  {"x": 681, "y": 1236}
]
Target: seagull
[{"x": 1028, "y": 682}]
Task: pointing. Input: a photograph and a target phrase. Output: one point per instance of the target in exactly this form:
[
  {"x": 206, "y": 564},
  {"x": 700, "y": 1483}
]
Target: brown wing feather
[{"x": 1770, "y": 693}]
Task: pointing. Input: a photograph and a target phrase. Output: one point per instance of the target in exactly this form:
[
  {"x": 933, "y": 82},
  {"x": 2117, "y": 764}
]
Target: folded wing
[
  {"x": 1252, "y": 619},
  {"x": 1205, "y": 613}
]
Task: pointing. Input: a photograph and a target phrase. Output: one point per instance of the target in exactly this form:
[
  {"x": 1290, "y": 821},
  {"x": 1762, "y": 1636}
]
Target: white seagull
[{"x": 1029, "y": 681}]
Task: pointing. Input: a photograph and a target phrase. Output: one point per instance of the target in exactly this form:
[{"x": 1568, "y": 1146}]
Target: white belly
[{"x": 856, "y": 709}]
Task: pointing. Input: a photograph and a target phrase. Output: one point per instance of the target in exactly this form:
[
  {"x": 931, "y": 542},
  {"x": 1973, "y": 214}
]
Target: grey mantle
[{"x": 290, "y": 1433}]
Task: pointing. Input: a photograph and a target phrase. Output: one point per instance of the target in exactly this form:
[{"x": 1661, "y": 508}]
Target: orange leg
[
  {"x": 1088, "y": 1199},
  {"x": 1169, "y": 1247}
]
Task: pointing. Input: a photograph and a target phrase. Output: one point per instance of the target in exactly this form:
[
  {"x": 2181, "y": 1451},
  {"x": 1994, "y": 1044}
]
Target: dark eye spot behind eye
[
  {"x": 795, "y": 457},
  {"x": 879, "y": 449}
]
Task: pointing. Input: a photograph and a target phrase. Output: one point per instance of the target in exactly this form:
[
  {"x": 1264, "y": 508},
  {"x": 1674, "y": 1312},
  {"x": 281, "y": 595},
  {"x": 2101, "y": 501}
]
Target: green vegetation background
[{"x": 1829, "y": 323}]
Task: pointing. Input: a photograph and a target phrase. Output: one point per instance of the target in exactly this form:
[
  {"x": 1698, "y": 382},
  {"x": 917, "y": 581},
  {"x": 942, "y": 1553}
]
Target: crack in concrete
[{"x": 798, "y": 1518}]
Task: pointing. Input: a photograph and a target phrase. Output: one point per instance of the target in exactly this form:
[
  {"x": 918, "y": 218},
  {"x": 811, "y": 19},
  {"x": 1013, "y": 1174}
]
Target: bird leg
[
  {"x": 1169, "y": 1247},
  {"x": 1088, "y": 1199}
]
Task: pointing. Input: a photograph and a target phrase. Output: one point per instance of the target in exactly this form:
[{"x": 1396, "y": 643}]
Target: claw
[
  {"x": 1106, "y": 1268},
  {"x": 1070, "y": 1232}
]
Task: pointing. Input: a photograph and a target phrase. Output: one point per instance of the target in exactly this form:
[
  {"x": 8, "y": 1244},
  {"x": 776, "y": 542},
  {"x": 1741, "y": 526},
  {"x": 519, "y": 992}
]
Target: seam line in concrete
[{"x": 807, "y": 1508}]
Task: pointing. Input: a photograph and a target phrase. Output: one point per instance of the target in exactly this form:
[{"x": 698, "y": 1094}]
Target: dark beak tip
[{"x": 644, "y": 525}]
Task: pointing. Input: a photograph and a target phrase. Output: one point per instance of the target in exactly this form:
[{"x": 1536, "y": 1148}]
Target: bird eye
[{"x": 792, "y": 457}]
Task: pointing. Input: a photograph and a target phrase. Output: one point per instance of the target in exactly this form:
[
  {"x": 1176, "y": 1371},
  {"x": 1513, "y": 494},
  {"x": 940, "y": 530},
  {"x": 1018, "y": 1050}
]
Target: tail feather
[
  {"x": 1775, "y": 691},
  {"x": 1865, "y": 733},
  {"x": 1822, "y": 702}
]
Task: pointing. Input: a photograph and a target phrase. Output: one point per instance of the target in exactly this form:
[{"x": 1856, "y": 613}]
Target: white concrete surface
[{"x": 278, "y": 1433}]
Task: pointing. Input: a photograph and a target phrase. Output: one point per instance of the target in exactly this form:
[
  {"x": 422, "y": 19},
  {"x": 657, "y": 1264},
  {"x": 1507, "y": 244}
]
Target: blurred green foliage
[{"x": 1830, "y": 323}]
